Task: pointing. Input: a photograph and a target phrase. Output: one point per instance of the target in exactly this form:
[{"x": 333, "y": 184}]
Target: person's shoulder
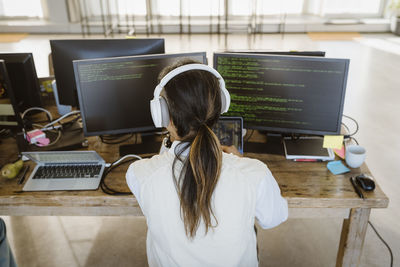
[
  {"x": 244, "y": 164},
  {"x": 144, "y": 167}
]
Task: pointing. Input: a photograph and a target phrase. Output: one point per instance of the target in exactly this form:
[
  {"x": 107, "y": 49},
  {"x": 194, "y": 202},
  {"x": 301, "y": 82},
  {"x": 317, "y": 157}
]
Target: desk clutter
[
  {"x": 103, "y": 87},
  {"x": 289, "y": 103}
]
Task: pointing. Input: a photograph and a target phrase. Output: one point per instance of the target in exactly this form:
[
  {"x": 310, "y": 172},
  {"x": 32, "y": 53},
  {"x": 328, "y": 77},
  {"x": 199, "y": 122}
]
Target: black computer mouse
[{"x": 366, "y": 182}]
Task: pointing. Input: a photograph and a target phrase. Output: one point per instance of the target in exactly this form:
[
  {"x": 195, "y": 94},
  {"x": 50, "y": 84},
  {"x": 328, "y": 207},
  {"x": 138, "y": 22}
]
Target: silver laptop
[{"x": 64, "y": 170}]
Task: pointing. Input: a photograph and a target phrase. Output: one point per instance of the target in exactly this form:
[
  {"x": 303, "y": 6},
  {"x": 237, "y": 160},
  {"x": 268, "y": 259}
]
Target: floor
[{"x": 372, "y": 97}]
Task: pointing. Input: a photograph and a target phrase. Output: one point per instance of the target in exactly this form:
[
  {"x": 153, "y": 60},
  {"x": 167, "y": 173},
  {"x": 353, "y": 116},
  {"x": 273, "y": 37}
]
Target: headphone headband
[{"x": 159, "y": 116}]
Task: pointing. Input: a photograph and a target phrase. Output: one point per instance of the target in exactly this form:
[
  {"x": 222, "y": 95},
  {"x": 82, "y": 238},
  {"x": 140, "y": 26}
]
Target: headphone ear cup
[
  {"x": 155, "y": 112},
  {"x": 164, "y": 112}
]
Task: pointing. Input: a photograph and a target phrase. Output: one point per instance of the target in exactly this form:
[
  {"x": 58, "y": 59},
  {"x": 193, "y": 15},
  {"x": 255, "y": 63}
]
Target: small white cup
[{"x": 355, "y": 156}]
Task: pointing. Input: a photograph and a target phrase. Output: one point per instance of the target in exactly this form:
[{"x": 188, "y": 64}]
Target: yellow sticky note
[{"x": 333, "y": 141}]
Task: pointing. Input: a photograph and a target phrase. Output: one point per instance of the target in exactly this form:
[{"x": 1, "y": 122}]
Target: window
[
  {"x": 97, "y": 8},
  {"x": 129, "y": 7},
  {"x": 207, "y": 8},
  {"x": 188, "y": 8},
  {"x": 349, "y": 7},
  {"x": 203, "y": 12},
  {"x": 271, "y": 7},
  {"x": 167, "y": 8},
  {"x": 21, "y": 8}
]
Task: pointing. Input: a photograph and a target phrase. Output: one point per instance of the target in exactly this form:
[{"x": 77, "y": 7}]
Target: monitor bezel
[
  {"x": 68, "y": 96},
  {"x": 33, "y": 97},
  {"x": 314, "y": 53},
  {"x": 20, "y": 125},
  {"x": 144, "y": 129},
  {"x": 284, "y": 130}
]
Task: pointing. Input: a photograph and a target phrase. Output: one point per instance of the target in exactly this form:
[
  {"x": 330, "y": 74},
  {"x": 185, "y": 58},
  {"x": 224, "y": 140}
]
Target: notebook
[{"x": 64, "y": 170}]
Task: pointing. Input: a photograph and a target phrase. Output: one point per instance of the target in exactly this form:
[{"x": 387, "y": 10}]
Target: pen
[
  {"x": 308, "y": 160},
  {"x": 358, "y": 191},
  {"x": 21, "y": 180}
]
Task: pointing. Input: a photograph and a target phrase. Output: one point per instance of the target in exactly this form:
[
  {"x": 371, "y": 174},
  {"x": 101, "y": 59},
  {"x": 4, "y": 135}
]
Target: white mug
[{"x": 355, "y": 156}]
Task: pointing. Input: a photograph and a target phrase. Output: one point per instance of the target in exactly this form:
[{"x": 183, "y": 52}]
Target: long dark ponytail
[{"x": 194, "y": 102}]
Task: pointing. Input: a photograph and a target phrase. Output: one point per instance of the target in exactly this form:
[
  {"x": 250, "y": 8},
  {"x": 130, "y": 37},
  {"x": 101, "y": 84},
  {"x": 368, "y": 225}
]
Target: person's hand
[{"x": 231, "y": 150}]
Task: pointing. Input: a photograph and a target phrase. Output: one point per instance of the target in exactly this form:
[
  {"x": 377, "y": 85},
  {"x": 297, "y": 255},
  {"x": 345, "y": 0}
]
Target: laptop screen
[{"x": 229, "y": 132}]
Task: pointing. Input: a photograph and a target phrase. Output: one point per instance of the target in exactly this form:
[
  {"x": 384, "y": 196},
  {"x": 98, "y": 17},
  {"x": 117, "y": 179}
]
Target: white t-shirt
[{"x": 245, "y": 190}]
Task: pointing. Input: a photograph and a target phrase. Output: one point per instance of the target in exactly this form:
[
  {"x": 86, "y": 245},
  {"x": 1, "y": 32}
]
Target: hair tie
[{"x": 203, "y": 124}]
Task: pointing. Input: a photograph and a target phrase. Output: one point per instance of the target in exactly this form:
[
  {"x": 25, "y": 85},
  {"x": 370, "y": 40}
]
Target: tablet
[
  {"x": 307, "y": 148},
  {"x": 229, "y": 132}
]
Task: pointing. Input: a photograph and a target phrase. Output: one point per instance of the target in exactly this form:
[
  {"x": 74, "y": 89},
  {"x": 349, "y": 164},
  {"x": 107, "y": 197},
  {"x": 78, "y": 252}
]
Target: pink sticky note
[
  {"x": 43, "y": 141},
  {"x": 340, "y": 152}
]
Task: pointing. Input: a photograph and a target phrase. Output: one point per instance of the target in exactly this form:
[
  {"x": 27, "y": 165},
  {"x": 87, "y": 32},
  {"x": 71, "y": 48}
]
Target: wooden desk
[{"x": 309, "y": 188}]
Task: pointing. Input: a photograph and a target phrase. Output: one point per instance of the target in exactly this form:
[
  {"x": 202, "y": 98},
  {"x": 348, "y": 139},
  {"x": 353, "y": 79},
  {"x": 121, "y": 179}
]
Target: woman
[{"x": 200, "y": 202}]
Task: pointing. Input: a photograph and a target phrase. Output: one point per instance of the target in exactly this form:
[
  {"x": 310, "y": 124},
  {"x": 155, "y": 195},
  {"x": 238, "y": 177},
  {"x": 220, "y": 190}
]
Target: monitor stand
[
  {"x": 150, "y": 144},
  {"x": 273, "y": 145}
]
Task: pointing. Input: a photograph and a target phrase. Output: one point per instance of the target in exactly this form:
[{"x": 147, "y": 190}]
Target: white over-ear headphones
[{"x": 159, "y": 106}]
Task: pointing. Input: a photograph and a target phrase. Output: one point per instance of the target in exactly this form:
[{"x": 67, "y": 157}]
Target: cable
[
  {"x": 112, "y": 166},
  {"x": 70, "y": 123},
  {"x": 355, "y": 140},
  {"x": 384, "y": 242},
  {"x": 57, "y": 128},
  {"x": 250, "y": 135},
  {"x": 56, "y": 140},
  {"x": 37, "y": 108},
  {"x": 62, "y": 117},
  {"x": 345, "y": 126},
  {"x": 124, "y": 157},
  {"x": 50, "y": 126},
  {"x": 62, "y": 125},
  {"x": 41, "y": 127},
  {"x": 5, "y": 133},
  {"x": 356, "y": 123}
]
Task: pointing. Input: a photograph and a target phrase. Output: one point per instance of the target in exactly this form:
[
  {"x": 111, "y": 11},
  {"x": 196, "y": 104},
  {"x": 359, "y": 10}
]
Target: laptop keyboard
[{"x": 68, "y": 171}]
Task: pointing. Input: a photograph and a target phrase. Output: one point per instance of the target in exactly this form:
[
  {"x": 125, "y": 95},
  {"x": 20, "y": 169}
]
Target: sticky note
[
  {"x": 333, "y": 141},
  {"x": 337, "y": 167},
  {"x": 340, "y": 152},
  {"x": 43, "y": 141}
]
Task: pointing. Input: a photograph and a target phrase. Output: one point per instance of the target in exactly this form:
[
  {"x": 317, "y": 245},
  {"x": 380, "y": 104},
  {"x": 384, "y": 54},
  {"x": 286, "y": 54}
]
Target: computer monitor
[
  {"x": 65, "y": 51},
  {"x": 9, "y": 113},
  {"x": 25, "y": 84},
  {"x": 285, "y": 94},
  {"x": 115, "y": 93},
  {"x": 274, "y": 52}
]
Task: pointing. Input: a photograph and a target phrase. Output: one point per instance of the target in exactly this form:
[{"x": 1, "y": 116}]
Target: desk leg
[{"x": 352, "y": 238}]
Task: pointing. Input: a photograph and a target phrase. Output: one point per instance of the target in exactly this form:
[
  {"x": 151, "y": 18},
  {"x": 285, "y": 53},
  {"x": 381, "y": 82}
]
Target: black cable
[
  {"x": 250, "y": 135},
  {"x": 356, "y": 123},
  {"x": 384, "y": 242},
  {"x": 5, "y": 133},
  {"x": 355, "y": 140},
  {"x": 347, "y": 127},
  {"x": 106, "y": 189}
]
